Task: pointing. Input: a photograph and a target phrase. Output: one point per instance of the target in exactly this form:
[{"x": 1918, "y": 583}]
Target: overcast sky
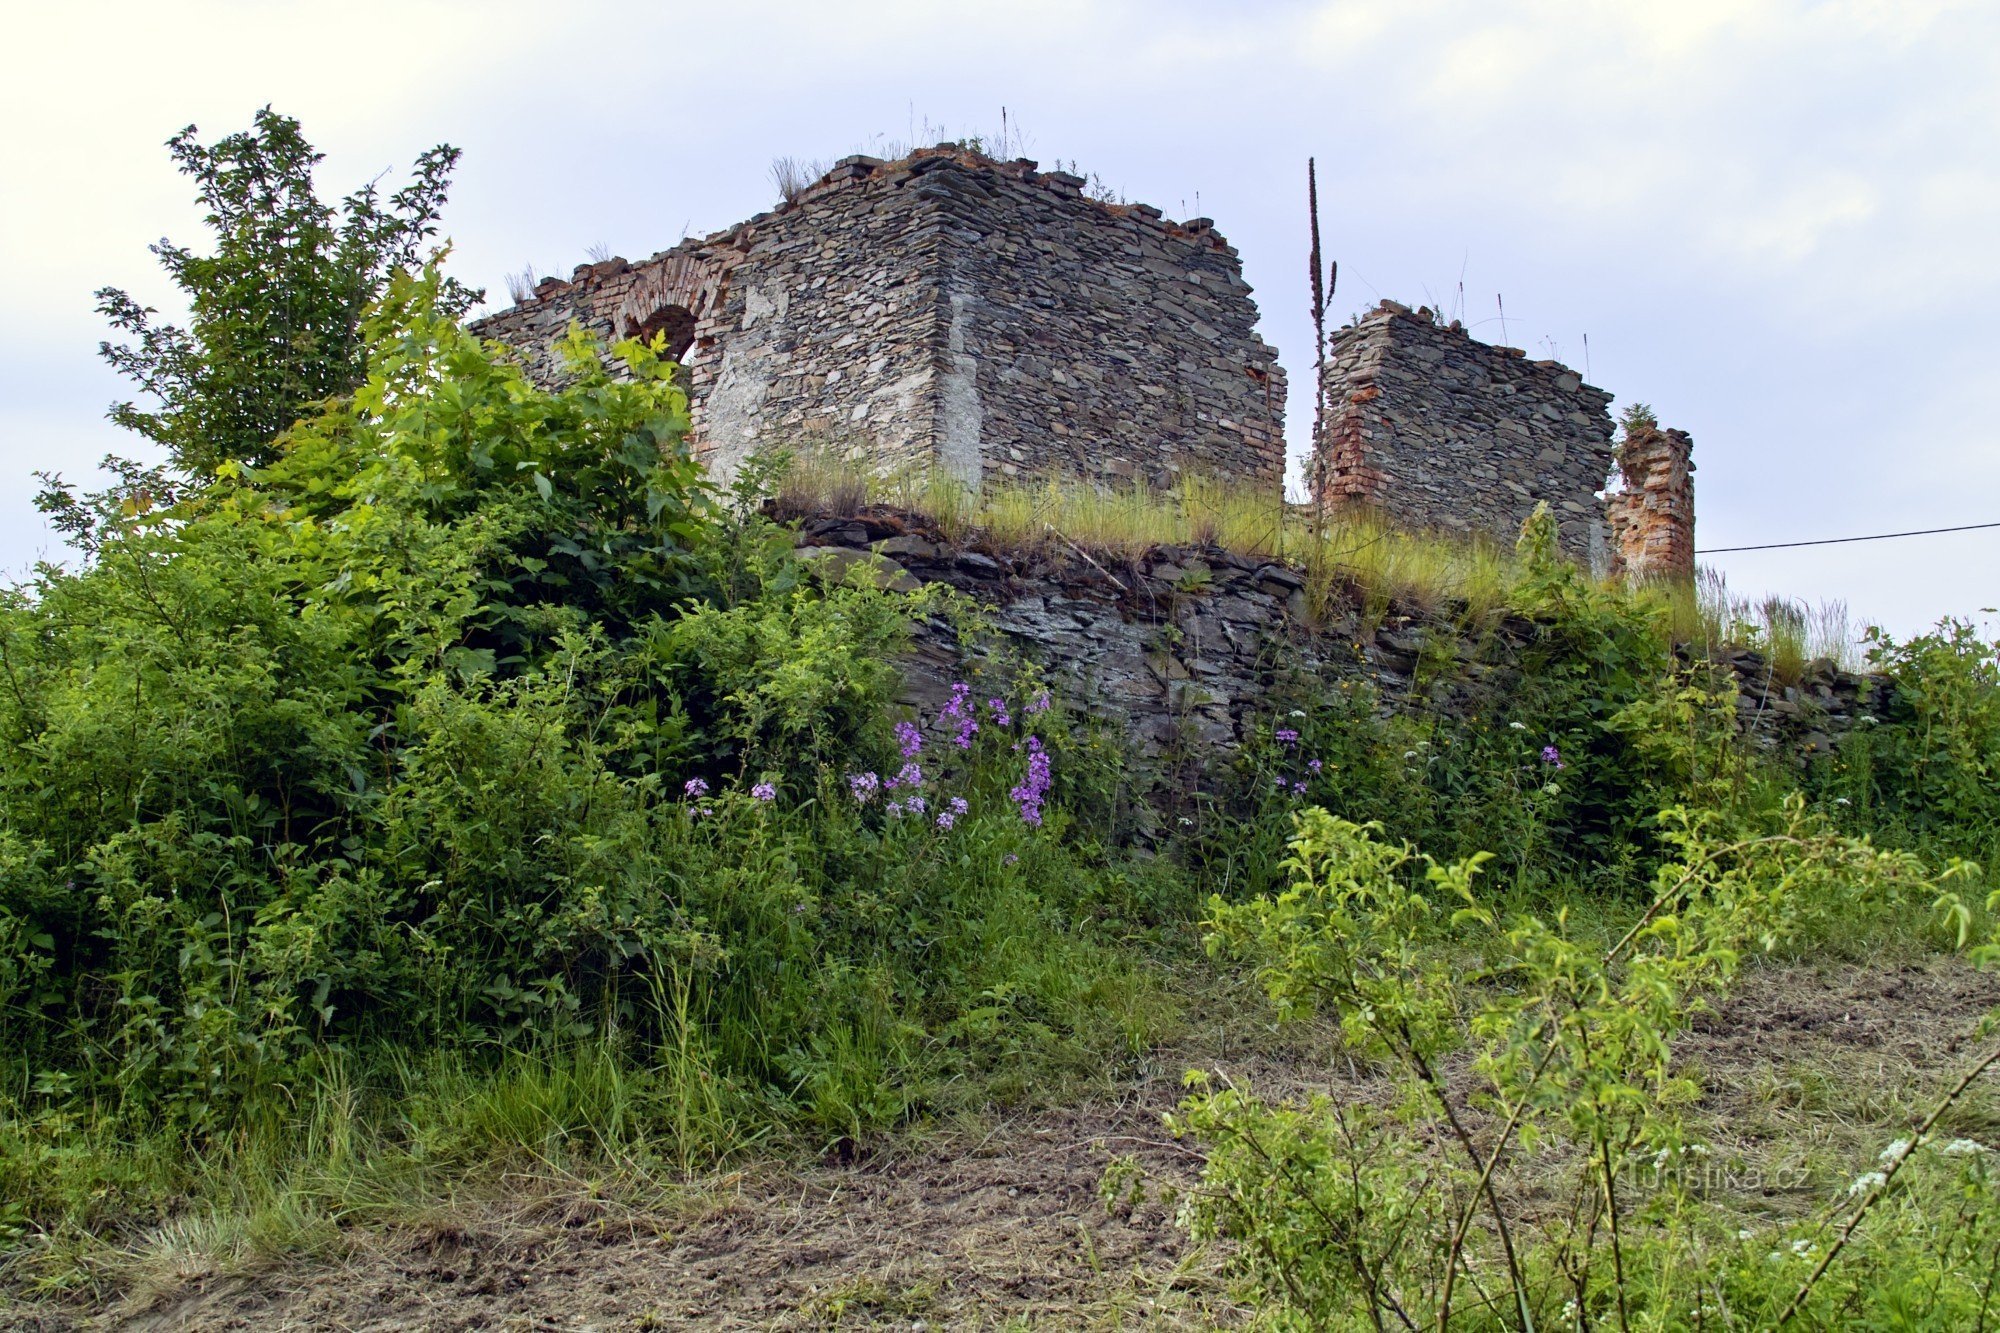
[{"x": 1776, "y": 222}]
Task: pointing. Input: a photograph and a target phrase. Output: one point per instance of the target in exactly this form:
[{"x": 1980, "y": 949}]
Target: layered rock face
[
  {"x": 949, "y": 311},
  {"x": 1437, "y": 430},
  {"x": 1197, "y": 647}
]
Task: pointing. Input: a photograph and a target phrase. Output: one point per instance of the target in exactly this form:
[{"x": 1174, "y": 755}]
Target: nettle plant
[{"x": 1533, "y": 1167}]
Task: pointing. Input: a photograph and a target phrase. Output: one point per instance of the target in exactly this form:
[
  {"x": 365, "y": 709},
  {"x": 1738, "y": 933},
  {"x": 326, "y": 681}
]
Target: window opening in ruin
[{"x": 677, "y": 324}]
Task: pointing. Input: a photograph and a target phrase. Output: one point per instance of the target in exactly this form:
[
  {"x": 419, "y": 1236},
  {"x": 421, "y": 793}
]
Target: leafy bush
[
  {"x": 432, "y": 733},
  {"x": 1357, "y": 1216},
  {"x": 1926, "y": 769},
  {"x": 277, "y": 304}
]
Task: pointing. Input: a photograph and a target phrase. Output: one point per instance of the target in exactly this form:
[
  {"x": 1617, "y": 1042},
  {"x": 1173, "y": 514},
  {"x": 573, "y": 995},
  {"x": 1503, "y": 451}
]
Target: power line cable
[{"x": 1835, "y": 541}]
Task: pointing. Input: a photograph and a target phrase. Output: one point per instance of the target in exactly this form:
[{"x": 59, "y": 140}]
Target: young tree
[{"x": 275, "y": 308}]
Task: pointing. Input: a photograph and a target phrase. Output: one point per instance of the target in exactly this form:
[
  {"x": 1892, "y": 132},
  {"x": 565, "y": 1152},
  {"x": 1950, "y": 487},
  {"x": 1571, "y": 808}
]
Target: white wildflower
[
  {"x": 1895, "y": 1152},
  {"x": 1803, "y": 1248},
  {"x": 1745, "y": 1234},
  {"x": 1518, "y": 726},
  {"x": 1964, "y": 1148},
  {"x": 1865, "y": 1182},
  {"x": 1842, "y": 800}
]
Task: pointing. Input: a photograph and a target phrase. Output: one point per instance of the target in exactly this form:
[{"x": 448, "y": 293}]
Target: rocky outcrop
[{"x": 1199, "y": 645}]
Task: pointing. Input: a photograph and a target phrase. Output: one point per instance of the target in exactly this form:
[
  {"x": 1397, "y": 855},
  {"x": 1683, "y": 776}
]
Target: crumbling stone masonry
[
  {"x": 1166, "y": 658},
  {"x": 949, "y": 311},
  {"x": 1652, "y": 518},
  {"x": 1439, "y": 431}
]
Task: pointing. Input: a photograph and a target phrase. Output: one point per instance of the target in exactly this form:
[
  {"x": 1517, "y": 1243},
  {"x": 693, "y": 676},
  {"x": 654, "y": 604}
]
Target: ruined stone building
[
  {"x": 987, "y": 319},
  {"x": 1436, "y": 430},
  {"x": 955, "y": 312}
]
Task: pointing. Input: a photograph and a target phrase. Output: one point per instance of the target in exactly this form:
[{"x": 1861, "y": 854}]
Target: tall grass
[
  {"x": 1343, "y": 554},
  {"x": 409, "y": 1136},
  {"x": 1348, "y": 555},
  {"x": 1791, "y": 634}
]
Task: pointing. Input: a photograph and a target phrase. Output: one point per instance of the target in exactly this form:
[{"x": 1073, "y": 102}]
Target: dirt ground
[{"x": 1000, "y": 1226}]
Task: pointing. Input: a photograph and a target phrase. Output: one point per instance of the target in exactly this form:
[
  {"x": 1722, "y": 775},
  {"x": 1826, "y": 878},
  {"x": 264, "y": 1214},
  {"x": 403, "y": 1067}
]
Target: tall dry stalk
[{"x": 1316, "y": 474}]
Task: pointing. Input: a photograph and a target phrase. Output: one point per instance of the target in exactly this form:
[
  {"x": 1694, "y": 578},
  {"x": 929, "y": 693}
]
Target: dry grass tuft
[{"x": 1791, "y": 633}]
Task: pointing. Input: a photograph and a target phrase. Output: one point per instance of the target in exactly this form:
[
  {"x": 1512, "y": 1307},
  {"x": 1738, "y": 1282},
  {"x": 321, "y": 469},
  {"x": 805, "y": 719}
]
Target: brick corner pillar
[{"x": 1652, "y": 518}]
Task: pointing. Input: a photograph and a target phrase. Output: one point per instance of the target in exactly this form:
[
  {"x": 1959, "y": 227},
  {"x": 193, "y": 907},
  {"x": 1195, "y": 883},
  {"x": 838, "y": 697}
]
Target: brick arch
[
  {"x": 676, "y": 323},
  {"x": 677, "y": 294}
]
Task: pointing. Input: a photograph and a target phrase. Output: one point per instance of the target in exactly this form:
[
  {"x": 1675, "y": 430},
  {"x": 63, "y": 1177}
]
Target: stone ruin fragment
[{"x": 983, "y": 319}]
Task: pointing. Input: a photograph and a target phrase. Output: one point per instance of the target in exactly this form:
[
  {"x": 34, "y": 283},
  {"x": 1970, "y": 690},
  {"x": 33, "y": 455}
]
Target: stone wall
[
  {"x": 1652, "y": 517},
  {"x": 1198, "y": 645},
  {"x": 949, "y": 310},
  {"x": 1437, "y": 430},
  {"x": 1104, "y": 341}
]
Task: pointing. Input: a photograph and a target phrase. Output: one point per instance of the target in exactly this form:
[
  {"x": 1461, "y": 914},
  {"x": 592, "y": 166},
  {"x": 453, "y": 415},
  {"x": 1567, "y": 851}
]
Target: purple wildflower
[
  {"x": 910, "y": 775},
  {"x": 915, "y": 805},
  {"x": 958, "y": 805},
  {"x": 1028, "y": 795},
  {"x": 864, "y": 786},
  {"x": 1298, "y": 789},
  {"x": 1287, "y": 736},
  {"x": 1038, "y": 704},
  {"x": 895, "y": 807},
  {"x": 1009, "y": 859},
  {"x": 1552, "y": 756},
  {"x": 764, "y": 791},
  {"x": 998, "y": 708},
  {"x": 946, "y": 819},
  {"x": 694, "y": 787},
  {"x": 909, "y": 740},
  {"x": 957, "y": 709},
  {"x": 1313, "y": 764}
]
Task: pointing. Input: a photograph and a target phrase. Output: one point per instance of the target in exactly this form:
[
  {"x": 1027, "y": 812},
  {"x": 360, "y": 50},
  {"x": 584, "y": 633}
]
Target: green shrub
[
  {"x": 1357, "y": 1216},
  {"x": 455, "y": 727},
  {"x": 1925, "y": 769}
]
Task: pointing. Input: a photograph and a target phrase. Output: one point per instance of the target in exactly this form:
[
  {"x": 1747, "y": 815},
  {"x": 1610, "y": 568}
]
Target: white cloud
[{"x": 95, "y": 90}]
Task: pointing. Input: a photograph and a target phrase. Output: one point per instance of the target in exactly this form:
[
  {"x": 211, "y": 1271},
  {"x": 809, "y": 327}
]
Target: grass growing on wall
[
  {"x": 1348, "y": 552},
  {"x": 1351, "y": 554},
  {"x": 1790, "y": 633}
]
